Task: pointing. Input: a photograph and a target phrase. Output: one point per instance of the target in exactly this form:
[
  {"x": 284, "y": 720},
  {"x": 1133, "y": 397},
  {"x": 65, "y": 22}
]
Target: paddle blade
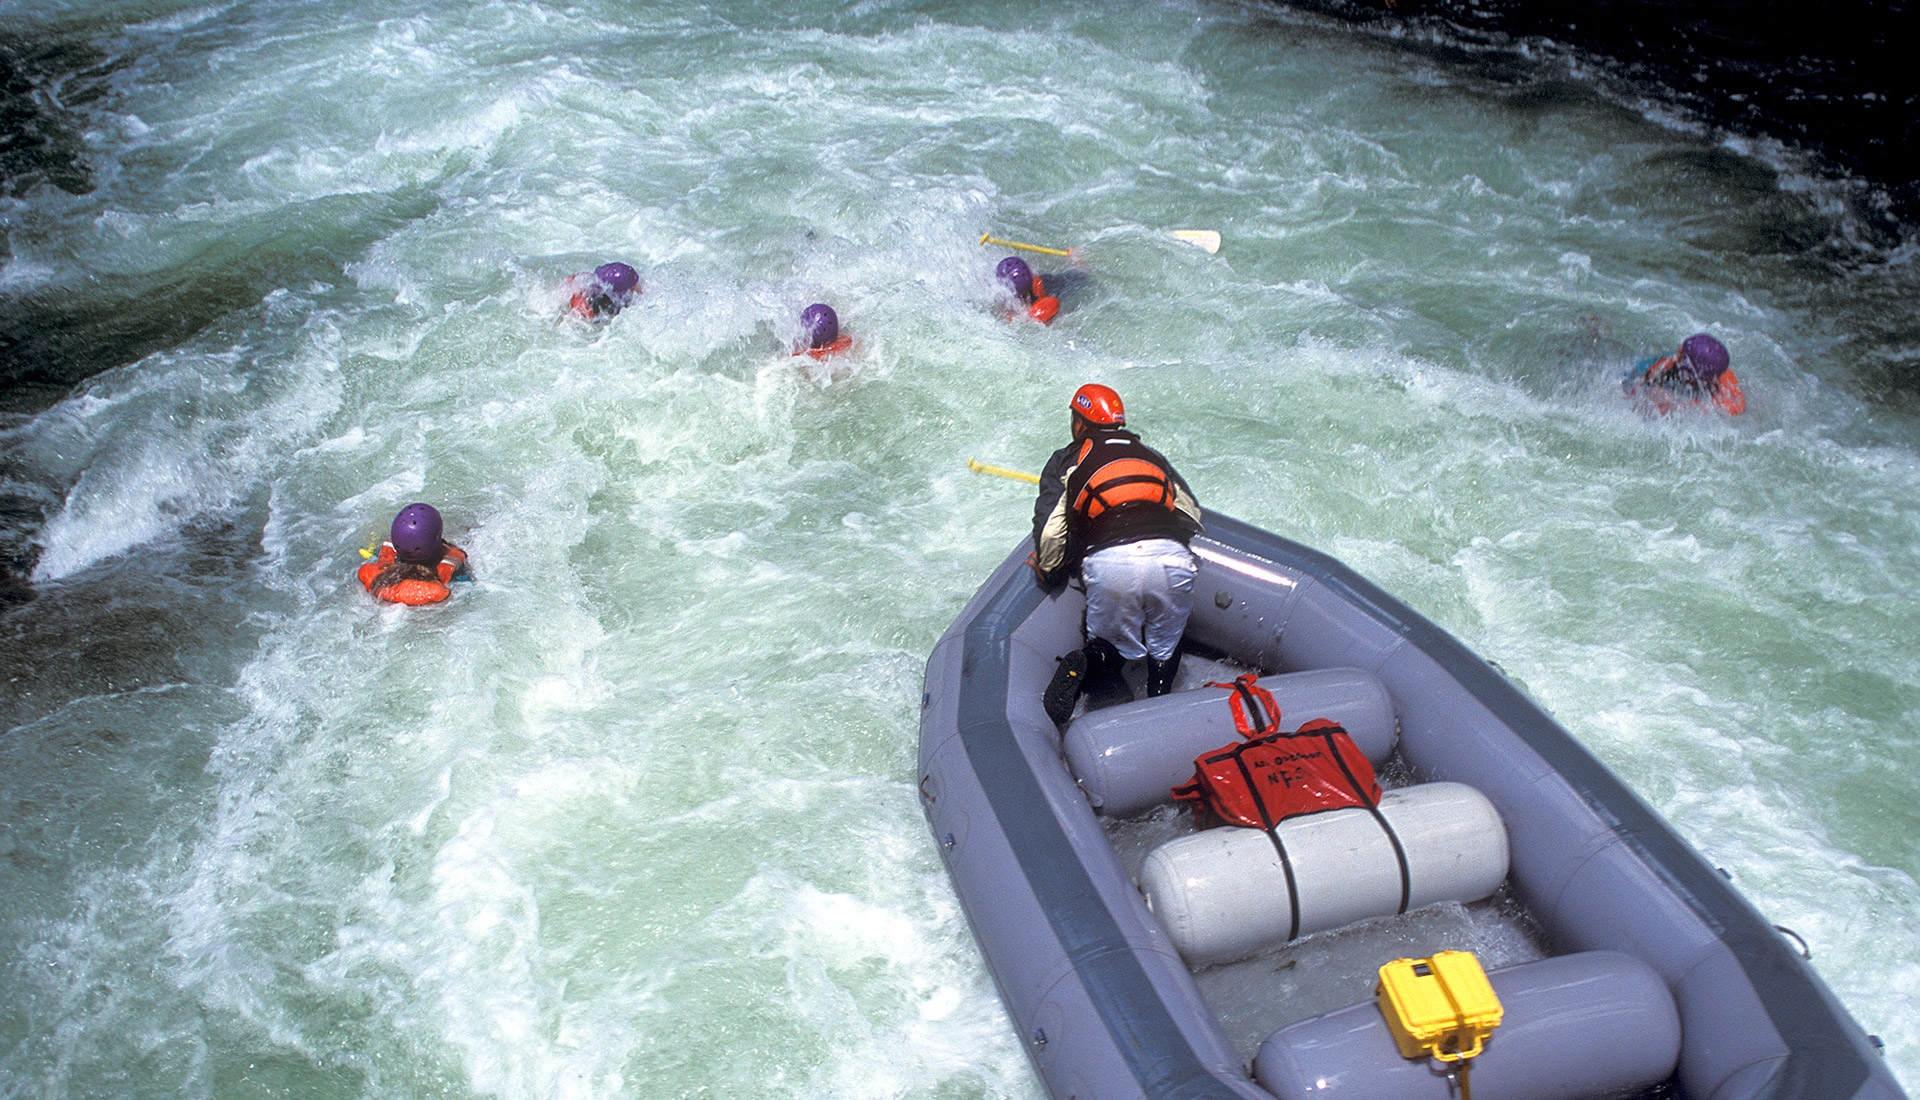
[{"x": 1208, "y": 239}]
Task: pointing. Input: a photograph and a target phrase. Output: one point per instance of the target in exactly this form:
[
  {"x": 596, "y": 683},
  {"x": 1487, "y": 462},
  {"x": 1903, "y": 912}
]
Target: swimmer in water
[
  {"x": 822, "y": 332},
  {"x": 600, "y": 294},
  {"x": 1027, "y": 288},
  {"x": 1695, "y": 374},
  {"x": 415, "y": 565}
]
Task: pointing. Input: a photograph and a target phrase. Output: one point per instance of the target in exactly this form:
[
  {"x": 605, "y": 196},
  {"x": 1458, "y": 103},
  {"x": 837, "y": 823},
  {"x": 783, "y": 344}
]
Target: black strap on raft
[
  {"x": 1399, "y": 851},
  {"x": 1257, "y": 714},
  {"x": 1271, "y": 827}
]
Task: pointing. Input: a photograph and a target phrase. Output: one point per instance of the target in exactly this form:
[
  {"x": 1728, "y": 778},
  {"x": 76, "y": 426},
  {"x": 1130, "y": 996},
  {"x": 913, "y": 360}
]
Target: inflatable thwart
[
  {"x": 1227, "y": 893},
  {"x": 1649, "y": 974}
]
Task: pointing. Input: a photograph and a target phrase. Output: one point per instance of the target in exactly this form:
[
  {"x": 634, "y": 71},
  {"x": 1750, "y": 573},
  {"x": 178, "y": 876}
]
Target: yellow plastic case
[{"x": 1442, "y": 1007}]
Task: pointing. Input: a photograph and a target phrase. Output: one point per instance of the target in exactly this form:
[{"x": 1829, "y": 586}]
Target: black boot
[
  {"x": 1076, "y": 671},
  {"x": 1102, "y": 657},
  {"x": 1160, "y": 674},
  {"x": 1063, "y": 691}
]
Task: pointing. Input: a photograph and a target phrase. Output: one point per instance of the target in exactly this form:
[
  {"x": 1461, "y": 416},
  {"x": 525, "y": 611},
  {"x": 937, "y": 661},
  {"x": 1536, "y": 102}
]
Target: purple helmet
[
  {"x": 416, "y": 534},
  {"x": 1014, "y": 272},
  {"x": 617, "y": 277},
  {"x": 1707, "y": 356},
  {"x": 822, "y": 325}
]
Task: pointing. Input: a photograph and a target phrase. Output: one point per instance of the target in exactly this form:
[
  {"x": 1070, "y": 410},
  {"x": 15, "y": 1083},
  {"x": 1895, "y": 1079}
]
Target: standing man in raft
[{"x": 1114, "y": 509}]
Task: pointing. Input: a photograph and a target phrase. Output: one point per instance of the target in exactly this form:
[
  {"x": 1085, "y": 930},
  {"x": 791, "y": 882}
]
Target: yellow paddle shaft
[
  {"x": 984, "y": 239},
  {"x": 1001, "y": 471}
]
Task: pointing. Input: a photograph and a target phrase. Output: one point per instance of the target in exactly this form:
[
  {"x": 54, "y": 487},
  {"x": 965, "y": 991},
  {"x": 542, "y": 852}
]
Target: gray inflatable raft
[{"x": 1647, "y": 974}]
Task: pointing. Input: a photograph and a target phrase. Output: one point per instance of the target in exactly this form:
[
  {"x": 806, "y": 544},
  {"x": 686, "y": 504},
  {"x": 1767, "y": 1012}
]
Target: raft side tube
[{"x": 1099, "y": 997}]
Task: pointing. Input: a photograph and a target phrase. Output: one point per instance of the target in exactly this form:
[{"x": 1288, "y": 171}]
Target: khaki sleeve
[{"x": 1051, "y": 553}]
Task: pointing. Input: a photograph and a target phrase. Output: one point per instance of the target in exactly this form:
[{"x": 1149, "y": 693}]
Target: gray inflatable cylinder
[
  {"x": 1575, "y": 1027},
  {"x": 1223, "y": 894},
  {"x": 1129, "y": 758}
]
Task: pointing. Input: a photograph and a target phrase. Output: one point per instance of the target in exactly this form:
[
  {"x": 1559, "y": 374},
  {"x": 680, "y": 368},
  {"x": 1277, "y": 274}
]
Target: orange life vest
[
  {"x": 413, "y": 592},
  {"x": 839, "y": 345},
  {"x": 1044, "y": 305},
  {"x": 1130, "y": 479},
  {"x": 1727, "y": 395}
]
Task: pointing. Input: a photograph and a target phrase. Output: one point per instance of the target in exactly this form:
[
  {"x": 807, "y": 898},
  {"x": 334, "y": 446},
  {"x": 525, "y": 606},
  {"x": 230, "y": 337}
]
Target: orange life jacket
[
  {"x": 1727, "y": 395},
  {"x": 413, "y": 592},
  {"x": 1044, "y": 305},
  {"x": 1119, "y": 490},
  {"x": 1130, "y": 479},
  {"x": 839, "y": 345}
]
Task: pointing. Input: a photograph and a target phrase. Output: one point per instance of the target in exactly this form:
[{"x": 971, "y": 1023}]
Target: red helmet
[{"x": 1098, "y": 405}]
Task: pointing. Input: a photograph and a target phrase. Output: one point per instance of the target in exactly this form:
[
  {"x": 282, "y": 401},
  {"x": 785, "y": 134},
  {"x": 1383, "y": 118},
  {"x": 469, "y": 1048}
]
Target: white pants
[{"x": 1139, "y": 596}]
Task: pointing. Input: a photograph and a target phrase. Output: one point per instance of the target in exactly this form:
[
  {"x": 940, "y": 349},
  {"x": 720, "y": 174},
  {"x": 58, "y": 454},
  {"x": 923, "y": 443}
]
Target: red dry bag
[{"x": 1272, "y": 776}]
